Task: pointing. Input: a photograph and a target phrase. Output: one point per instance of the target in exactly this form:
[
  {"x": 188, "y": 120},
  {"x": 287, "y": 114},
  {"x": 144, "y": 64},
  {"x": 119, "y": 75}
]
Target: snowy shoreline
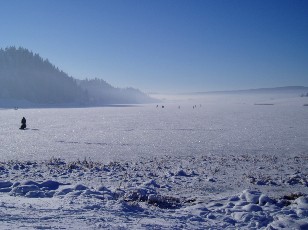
[{"x": 157, "y": 193}]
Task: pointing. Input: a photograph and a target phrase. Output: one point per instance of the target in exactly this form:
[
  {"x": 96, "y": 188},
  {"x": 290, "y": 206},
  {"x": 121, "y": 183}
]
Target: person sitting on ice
[{"x": 23, "y": 123}]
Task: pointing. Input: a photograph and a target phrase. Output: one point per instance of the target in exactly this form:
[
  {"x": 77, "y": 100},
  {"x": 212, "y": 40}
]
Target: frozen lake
[
  {"x": 218, "y": 124},
  {"x": 228, "y": 163}
]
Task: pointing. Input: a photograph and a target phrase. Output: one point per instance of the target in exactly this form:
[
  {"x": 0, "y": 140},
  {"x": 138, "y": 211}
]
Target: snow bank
[{"x": 145, "y": 194}]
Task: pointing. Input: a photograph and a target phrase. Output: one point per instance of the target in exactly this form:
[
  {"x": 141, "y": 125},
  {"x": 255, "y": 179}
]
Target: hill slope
[
  {"x": 25, "y": 76},
  {"x": 99, "y": 91},
  {"x": 296, "y": 90}
]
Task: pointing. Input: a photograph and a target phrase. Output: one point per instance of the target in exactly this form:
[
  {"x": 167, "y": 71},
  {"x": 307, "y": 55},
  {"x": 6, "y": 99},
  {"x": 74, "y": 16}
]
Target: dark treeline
[{"x": 26, "y": 76}]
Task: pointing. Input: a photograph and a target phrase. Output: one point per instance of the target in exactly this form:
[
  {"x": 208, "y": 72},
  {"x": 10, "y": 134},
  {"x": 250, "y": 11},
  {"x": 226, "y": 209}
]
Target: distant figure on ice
[{"x": 23, "y": 123}]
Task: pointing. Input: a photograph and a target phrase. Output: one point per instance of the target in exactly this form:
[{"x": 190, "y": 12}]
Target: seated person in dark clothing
[{"x": 23, "y": 123}]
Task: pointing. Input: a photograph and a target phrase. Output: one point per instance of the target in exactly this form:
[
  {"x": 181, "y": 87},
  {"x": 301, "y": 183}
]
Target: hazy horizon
[{"x": 166, "y": 46}]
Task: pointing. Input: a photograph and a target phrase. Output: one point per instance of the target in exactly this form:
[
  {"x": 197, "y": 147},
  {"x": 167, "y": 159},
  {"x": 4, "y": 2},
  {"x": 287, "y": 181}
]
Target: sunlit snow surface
[
  {"x": 113, "y": 133},
  {"x": 193, "y": 164}
]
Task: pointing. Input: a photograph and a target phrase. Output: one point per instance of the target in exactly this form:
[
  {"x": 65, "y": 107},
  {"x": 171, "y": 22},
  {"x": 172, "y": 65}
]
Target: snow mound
[{"x": 140, "y": 195}]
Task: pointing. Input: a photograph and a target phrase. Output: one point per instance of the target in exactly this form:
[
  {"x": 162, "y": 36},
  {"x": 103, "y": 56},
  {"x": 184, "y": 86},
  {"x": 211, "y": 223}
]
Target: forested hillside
[
  {"x": 28, "y": 77},
  {"x": 99, "y": 91}
]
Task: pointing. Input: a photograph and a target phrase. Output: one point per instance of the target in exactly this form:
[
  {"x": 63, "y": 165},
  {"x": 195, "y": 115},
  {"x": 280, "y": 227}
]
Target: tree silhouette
[{"x": 27, "y": 76}]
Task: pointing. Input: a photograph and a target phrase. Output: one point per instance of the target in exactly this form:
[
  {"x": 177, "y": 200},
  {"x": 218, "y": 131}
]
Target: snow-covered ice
[{"x": 210, "y": 162}]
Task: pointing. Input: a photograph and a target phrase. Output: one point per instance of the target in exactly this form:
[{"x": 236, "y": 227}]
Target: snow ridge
[{"x": 156, "y": 193}]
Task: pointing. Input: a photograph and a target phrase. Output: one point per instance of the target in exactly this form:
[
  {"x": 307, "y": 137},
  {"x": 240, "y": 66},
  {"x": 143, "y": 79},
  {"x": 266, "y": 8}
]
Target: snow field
[
  {"x": 160, "y": 193},
  {"x": 230, "y": 165}
]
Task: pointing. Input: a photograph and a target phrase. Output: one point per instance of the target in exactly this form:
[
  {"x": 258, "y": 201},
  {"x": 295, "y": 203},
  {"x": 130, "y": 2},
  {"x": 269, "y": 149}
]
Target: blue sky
[{"x": 166, "y": 45}]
